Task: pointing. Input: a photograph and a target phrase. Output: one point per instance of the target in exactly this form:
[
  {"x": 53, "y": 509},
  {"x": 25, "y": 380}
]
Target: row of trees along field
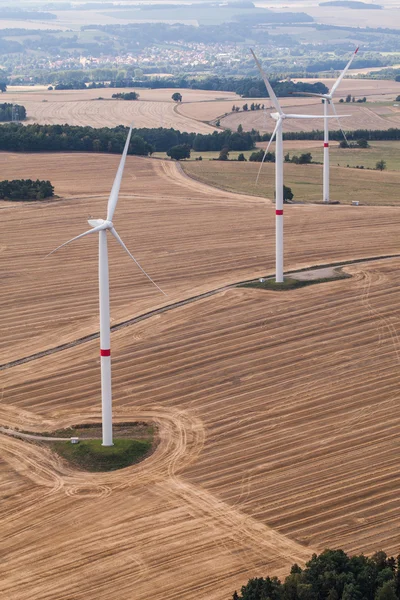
[
  {"x": 366, "y": 134},
  {"x": 331, "y": 576},
  {"x": 249, "y": 87},
  {"x": 63, "y": 138},
  {"x": 8, "y": 112},
  {"x": 15, "y": 137},
  {"x": 25, "y": 189}
]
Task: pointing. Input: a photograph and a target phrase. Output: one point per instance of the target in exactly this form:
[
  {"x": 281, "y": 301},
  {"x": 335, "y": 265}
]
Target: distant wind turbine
[
  {"x": 101, "y": 227},
  {"x": 328, "y": 100},
  {"x": 279, "y": 117}
]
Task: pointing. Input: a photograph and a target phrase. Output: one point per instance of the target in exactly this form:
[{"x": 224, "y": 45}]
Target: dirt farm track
[{"x": 277, "y": 413}]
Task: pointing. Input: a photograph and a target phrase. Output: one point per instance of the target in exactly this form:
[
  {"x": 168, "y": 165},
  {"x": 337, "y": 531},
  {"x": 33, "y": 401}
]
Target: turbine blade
[
  {"x": 271, "y": 92},
  {"x": 311, "y": 116},
  {"x": 113, "y": 199},
  {"x": 267, "y": 148},
  {"x": 343, "y": 73},
  {"x": 115, "y": 234},
  {"x": 94, "y": 230},
  {"x": 338, "y": 120},
  {"x": 307, "y": 94}
]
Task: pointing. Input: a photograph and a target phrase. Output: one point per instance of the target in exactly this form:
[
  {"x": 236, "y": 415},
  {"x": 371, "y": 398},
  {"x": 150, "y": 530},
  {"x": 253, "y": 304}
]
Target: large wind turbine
[
  {"x": 327, "y": 99},
  {"x": 279, "y": 117},
  {"x": 101, "y": 227}
]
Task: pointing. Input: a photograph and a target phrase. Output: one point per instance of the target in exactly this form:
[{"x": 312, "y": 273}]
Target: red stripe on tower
[
  {"x": 326, "y": 145},
  {"x": 105, "y": 352},
  {"x": 356, "y": 50},
  {"x": 279, "y": 212}
]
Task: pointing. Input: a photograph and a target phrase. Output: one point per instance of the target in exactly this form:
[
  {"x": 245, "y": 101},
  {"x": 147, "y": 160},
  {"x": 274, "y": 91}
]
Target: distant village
[{"x": 176, "y": 56}]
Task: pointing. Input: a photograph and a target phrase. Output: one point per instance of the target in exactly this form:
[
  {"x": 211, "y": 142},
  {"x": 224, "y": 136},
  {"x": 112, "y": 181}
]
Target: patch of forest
[
  {"x": 352, "y": 4},
  {"x": 25, "y": 15},
  {"x": 333, "y": 575},
  {"x": 25, "y": 189},
  {"x": 12, "y": 112}
]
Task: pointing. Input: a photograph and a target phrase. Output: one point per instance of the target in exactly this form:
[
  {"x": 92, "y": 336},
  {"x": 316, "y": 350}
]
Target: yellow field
[
  {"x": 276, "y": 412},
  {"x": 200, "y": 108},
  {"x": 362, "y": 116},
  {"x": 376, "y": 90},
  {"x": 368, "y": 116},
  {"x": 82, "y": 107}
]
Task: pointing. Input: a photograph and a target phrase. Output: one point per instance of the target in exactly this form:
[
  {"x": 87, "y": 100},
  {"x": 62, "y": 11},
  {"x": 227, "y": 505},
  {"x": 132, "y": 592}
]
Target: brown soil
[{"x": 276, "y": 413}]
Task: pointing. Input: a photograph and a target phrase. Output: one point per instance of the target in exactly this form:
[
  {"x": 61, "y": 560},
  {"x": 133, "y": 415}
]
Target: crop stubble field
[
  {"x": 199, "y": 107},
  {"x": 276, "y": 413},
  {"x": 359, "y": 116},
  {"x": 83, "y": 107}
]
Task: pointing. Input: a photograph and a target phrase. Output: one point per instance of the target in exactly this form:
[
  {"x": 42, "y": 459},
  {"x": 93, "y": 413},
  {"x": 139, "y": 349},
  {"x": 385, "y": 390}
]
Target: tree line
[
  {"x": 249, "y": 87},
  {"x": 367, "y": 134},
  {"x": 19, "y": 13},
  {"x": 15, "y": 137},
  {"x": 25, "y": 189},
  {"x": 333, "y": 575},
  {"x": 9, "y": 111}
]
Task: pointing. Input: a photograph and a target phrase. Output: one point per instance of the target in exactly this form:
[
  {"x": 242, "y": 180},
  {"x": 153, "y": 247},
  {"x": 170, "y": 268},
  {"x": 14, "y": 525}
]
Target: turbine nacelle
[
  {"x": 276, "y": 116},
  {"x": 101, "y": 224}
]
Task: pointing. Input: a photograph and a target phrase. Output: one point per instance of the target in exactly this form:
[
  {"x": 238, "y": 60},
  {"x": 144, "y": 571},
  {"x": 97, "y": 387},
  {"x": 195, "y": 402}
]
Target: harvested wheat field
[
  {"x": 375, "y": 91},
  {"x": 362, "y": 116},
  {"x": 41, "y": 93},
  {"x": 255, "y": 393},
  {"x": 210, "y": 110},
  {"x": 278, "y": 438},
  {"x": 189, "y": 236},
  {"x": 83, "y": 107}
]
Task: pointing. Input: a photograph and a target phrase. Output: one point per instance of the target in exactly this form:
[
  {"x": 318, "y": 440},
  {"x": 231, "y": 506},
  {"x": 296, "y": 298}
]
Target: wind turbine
[
  {"x": 279, "y": 117},
  {"x": 101, "y": 226},
  {"x": 327, "y": 99}
]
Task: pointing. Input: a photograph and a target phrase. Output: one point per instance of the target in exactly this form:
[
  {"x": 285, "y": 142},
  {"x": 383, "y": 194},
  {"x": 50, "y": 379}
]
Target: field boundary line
[{"x": 158, "y": 311}]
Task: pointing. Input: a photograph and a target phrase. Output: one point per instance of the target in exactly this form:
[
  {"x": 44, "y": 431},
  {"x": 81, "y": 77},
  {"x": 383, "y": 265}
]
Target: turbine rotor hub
[{"x": 102, "y": 223}]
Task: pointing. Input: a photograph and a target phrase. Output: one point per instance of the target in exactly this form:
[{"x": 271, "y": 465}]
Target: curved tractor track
[
  {"x": 278, "y": 437},
  {"x": 276, "y": 412}
]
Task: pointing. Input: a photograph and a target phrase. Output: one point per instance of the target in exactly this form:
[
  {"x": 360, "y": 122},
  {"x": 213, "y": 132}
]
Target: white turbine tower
[
  {"x": 279, "y": 117},
  {"x": 101, "y": 227},
  {"x": 327, "y": 99}
]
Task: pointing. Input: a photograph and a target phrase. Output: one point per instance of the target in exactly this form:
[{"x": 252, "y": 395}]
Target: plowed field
[{"x": 277, "y": 413}]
